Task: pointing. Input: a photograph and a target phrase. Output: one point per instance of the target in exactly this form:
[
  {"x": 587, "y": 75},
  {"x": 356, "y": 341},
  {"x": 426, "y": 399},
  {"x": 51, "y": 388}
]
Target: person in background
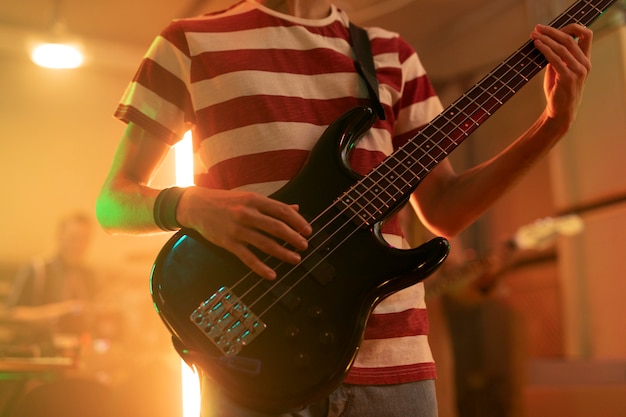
[
  {"x": 52, "y": 297},
  {"x": 258, "y": 84}
]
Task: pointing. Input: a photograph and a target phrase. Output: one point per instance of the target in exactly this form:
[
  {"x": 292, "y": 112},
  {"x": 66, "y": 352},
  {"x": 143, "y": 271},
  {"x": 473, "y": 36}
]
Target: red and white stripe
[{"x": 258, "y": 88}]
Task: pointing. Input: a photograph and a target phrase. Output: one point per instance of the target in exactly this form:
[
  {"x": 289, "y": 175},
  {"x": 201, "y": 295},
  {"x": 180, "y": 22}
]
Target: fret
[
  {"x": 582, "y": 12},
  {"x": 443, "y": 131},
  {"x": 531, "y": 55},
  {"x": 391, "y": 171},
  {"x": 431, "y": 147},
  {"x": 351, "y": 206},
  {"x": 370, "y": 189},
  {"x": 368, "y": 193},
  {"x": 577, "y": 16},
  {"x": 499, "y": 88},
  {"x": 519, "y": 72},
  {"x": 433, "y": 152},
  {"x": 475, "y": 111},
  {"x": 376, "y": 194},
  {"x": 413, "y": 166},
  {"x": 409, "y": 160},
  {"x": 421, "y": 158},
  {"x": 460, "y": 120}
]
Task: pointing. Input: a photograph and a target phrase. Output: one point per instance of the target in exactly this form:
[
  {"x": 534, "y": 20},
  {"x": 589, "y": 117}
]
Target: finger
[
  {"x": 283, "y": 222},
  {"x": 563, "y": 52},
  {"x": 244, "y": 239},
  {"x": 249, "y": 259},
  {"x": 248, "y": 238},
  {"x": 564, "y": 62},
  {"x": 554, "y": 53},
  {"x": 290, "y": 214},
  {"x": 266, "y": 228},
  {"x": 572, "y": 43},
  {"x": 573, "y": 30},
  {"x": 582, "y": 34},
  {"x": 270, "y": 246}
]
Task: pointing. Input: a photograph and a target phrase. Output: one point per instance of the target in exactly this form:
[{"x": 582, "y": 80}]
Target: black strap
[{"x": 364, "y": 65}]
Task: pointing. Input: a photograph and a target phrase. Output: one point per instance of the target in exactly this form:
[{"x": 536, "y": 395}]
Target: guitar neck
[{"x": 380, "y": 192}]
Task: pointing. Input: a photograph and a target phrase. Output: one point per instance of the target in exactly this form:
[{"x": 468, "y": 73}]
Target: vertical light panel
[
  {"x": 183, "y": 153},
  {"x": 191, "y": 391}
]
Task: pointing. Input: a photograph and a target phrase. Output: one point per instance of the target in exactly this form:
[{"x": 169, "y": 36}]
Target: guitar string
[
  {"x": 257, "y": 282},
  {"x": 376, "y": 184},
  {"x": 456, "y": 129}
]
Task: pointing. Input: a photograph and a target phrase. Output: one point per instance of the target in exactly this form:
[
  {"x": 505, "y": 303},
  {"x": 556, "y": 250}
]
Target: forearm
[
  {"x": 126, "y": 207},
  {"x": 126, "y": 200},
  {"x": 449, "y": 203}
]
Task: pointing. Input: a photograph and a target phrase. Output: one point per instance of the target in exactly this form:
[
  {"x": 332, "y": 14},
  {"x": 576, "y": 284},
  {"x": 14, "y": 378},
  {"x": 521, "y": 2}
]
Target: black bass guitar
[{"x": 278, "y": 345}]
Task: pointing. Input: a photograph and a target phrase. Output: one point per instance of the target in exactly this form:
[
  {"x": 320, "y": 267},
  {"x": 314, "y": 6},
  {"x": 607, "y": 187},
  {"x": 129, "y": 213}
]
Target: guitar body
[{"x": 305, "y": 327}]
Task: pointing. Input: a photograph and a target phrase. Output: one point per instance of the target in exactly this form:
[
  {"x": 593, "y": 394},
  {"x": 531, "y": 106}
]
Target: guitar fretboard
[{"x": 378, "y": 193}]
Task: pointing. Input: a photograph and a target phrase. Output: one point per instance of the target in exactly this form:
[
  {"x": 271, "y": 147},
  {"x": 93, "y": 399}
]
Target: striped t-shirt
[{"x": 258, "y": 88}]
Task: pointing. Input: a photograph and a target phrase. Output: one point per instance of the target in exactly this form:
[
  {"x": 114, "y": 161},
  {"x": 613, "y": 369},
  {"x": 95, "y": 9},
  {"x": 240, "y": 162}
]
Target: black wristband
[{"x": 165, "y": 206}]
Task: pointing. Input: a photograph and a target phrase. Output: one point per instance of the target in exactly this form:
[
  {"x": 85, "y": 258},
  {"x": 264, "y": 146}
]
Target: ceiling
[
  {"x": 133, "y": 24},
  {"x": 137, "y": 21},
  {"x": 453, "y": 37}
]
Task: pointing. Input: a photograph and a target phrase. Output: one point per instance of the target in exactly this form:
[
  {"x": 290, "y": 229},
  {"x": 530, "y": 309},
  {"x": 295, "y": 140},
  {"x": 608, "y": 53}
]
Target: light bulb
[{"x": 57, "y": 55}]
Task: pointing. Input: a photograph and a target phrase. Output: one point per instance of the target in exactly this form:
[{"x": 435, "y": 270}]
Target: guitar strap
[{"x": 364, "y": 65}]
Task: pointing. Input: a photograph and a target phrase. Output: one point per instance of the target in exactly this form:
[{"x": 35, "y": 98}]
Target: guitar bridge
[{"x": 227, "y": 322}]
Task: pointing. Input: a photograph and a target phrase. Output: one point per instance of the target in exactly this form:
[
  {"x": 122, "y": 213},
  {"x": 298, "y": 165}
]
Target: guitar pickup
[
  {"x": 285, "y": 297},
  {"x": 319, "y": 268}
]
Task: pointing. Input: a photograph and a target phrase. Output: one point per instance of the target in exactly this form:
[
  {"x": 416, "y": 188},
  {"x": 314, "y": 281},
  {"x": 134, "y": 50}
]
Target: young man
[{"x": 258, "y": 84}]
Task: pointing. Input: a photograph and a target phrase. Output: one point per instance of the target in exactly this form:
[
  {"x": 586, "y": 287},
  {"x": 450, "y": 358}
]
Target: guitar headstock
[{"x": 542, "y": 233}]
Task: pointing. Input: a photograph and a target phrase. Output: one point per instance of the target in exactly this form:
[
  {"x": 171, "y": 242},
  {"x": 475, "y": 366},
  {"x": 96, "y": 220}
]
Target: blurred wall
[{"x": 59, "y": 138}]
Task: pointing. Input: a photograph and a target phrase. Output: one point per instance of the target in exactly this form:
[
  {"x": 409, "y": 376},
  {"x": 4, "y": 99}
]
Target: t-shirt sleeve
[{"x": 158, "y": 98}]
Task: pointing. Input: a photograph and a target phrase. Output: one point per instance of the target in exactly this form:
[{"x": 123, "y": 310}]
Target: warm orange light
[
  {"x": 57, "y": 55},
  {"x": 191, "y": 391},
  {"x": 184, "y": 161},
  {"x": 183, "y": 156}
]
